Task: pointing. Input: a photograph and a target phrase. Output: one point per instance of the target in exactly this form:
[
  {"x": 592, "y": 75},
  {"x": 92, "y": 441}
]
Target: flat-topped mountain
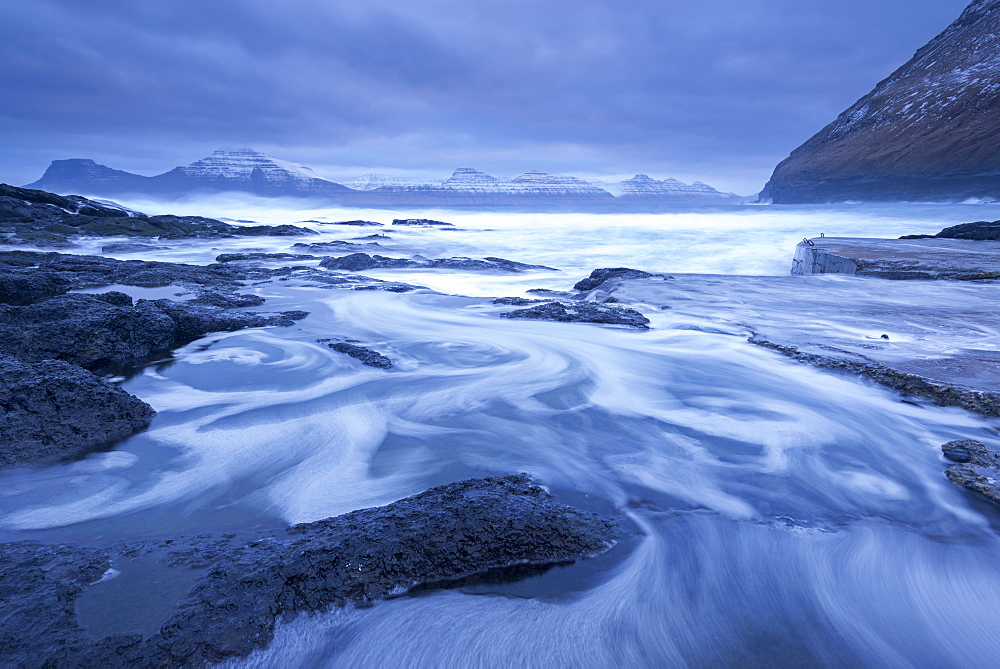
[
  {"x": 929, "y": 132},
  {"x": 249, "y": 171}
]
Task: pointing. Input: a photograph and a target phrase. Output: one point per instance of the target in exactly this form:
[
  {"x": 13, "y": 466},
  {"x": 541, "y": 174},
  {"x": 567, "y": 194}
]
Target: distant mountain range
[
  {"x": 928, "y": 132},
  {"x": 248, "y": 171}
]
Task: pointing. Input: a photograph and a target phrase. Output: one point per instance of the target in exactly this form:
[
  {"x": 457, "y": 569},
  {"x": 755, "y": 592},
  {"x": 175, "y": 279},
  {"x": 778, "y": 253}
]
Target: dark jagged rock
[
  {"x": 420, "y": 222},
  {"x": 927, "y": 132},
  {"x": 88, "y": 331},
  {"x": 235, "y": 257},
  {"x": 227, "y": 300},
  {"x": 599, "y": 276},
  {"x": 444, "y": 534},
  {"x": 51, "y": 410},
  {"x": 980, "y": 230},
  {"x": 335, "y": 245},
  {"x": 516, "y": 301},
  {"x": 131, "y": 247},
  {"x": 977, "y": 467},
  {"x": 21, "y": 286},
  {"x": 487, "y": 264},
  {"x": 357, "y": 223},
  {"x": 74, "y": 271},
  {"x": 581, "y": 312},
  {"x": 285, "y": 230},
  {"x": 45, "y": 219},
  {"x": 359, "y": 262},
  {"x": 981, "y": 402},
  {"x": 366, "y": 355}
]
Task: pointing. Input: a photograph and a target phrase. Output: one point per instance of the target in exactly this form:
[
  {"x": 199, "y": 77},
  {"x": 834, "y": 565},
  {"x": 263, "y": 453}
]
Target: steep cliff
[{"x": 929, "y": 132}]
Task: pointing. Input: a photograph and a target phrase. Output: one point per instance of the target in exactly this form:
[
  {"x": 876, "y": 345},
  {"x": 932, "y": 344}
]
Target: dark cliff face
[{"x": 929, "y": 132}]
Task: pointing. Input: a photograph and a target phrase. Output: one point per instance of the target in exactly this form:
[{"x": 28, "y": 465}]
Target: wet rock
[
  {"x": 131, "y": 247},
  {"x": 488, "y": 264},
  {"x": 357, "y": 262},
  {"x": 942, "y": 394},
  {"x": 357, "y": 223},
  {"x": 977, "y": 467},
  {"x": 581, "y": 312},
  {"x": 45, "y": 219},
  {"x": 227, "y": 300},
  {"x": 234, "y": 257},
  {"x": 446, "y": 533},
  {"x": 980, "y": 230},
  {"x": 515, "y": 301},
  {"x": 53, "y": 410},
  {"x": 366, "y": 355},
  {"x": 599, "y": 276},
  {"x": 23, "y": 286},
  {"x": 335, "y": 246},
  {"x": 271, "y": 231},
  {"x": 88, "y": 331},
  {"x": 420, "y": 222}
]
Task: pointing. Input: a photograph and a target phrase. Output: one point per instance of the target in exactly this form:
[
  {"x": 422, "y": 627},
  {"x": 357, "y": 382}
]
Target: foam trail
[{"x": 783, "y": 515}]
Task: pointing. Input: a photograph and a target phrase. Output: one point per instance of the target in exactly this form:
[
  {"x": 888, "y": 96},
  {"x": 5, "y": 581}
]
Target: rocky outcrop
[
  {"x": 581, "y": 312},
  {"x": 39, "y": 218},
  {"x": 919, "y": 258},
  {"x": 366, "y": 355},
  {"x": 247, "y": 585},
  {"x": 976, "y": 468},
  {"x": 51, "y": 410},
  {"x": 104, "y": 333},
  {"x": 929, "y": 132},
  {"x": 602, "y": 275},
  {"x": 421, "y": 222},
  {"x": 977, "y": 231},
  {"x": 907, "y": 384}
]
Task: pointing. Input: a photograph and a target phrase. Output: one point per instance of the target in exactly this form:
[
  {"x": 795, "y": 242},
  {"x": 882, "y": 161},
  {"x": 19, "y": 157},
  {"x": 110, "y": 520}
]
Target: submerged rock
[
  {"x": 235, "y": 257},
  {"x": 601, "y": 275},
  {"x": 51, "y": 410},
  {"x": 420, "y": 222},
  {"x": 977, "y": 467},
  {"x": 357, "y": 262},
  {"x": 356, "y": 222},
  {"x": 366, "y": 355},
  {"x": 581, "y": 312},
  {"x": 446, "y": 533}
]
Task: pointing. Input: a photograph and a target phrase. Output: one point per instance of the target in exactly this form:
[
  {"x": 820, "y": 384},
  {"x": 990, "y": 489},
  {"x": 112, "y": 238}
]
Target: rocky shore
[
  {"x": 243, "y": 585},
  {"x": 55, "y": 345}
]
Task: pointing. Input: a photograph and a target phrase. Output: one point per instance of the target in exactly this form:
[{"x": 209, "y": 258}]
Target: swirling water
[{"x": 779, "y": 514}]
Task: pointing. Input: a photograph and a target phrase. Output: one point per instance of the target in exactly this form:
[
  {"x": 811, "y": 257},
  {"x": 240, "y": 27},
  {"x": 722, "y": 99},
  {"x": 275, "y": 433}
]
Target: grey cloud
[{"x": 586, "y": 86}]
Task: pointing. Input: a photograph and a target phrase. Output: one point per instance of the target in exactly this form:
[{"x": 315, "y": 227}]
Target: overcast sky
[{"x": 716, "y": 90}]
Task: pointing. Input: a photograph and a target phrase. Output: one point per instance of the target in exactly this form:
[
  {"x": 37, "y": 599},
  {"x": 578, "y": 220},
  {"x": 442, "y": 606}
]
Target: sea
[{"x": 775, "y": 514}]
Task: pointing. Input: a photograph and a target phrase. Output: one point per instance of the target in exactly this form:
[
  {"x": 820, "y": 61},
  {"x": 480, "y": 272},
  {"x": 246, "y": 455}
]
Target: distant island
[{"x": 256, "y": 173}]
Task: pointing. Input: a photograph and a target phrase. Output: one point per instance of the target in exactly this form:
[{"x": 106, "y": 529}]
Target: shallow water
[{"x": 781, "y": 514}]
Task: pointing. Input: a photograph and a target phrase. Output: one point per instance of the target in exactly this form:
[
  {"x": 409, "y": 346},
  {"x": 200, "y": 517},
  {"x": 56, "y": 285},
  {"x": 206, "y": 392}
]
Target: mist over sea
[{"x": 778, "y": 514}]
